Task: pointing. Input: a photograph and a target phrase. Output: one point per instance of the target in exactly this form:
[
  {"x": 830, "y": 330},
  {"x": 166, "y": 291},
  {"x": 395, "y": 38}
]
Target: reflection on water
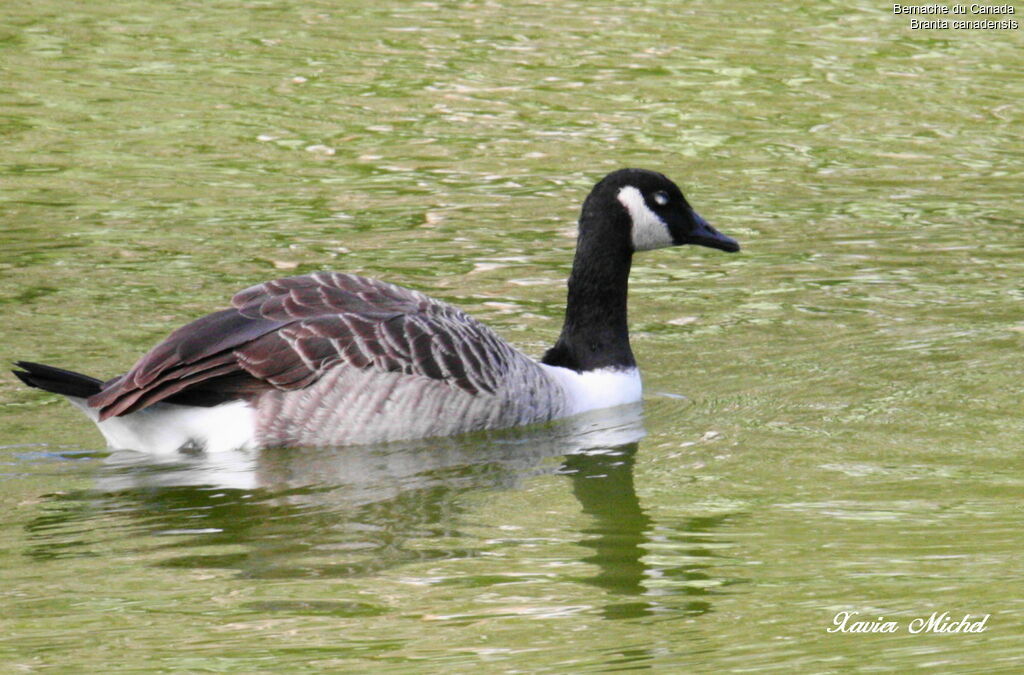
[
  {"x": 374, "y": 473},
  {"x": 603, "y": 484},
  {"x": 622, "y": 535},
  {"x": 356, "y": 511}
]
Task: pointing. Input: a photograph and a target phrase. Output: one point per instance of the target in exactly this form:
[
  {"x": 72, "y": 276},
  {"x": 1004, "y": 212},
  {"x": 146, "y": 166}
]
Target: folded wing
[{"x": 285, "y": 334}]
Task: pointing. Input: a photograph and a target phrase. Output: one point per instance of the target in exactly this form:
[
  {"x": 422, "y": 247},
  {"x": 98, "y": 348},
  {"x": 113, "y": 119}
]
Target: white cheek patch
[{"x": 649, "y": 231}]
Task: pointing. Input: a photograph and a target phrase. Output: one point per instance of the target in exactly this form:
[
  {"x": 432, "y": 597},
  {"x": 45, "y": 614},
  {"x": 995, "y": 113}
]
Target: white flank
[
  {"x": 649, "y": 230},
  {"x": 166, "y": 428},
  {"x": 595, "y": 389}
]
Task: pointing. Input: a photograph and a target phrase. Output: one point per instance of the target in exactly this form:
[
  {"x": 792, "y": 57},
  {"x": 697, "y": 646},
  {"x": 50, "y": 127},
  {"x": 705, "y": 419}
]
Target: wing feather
[{"x": 285, "y": 334}]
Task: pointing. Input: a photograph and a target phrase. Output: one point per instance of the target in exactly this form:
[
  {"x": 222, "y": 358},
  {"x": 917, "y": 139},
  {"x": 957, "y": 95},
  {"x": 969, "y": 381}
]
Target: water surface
[{"x": 832, "y": 417}]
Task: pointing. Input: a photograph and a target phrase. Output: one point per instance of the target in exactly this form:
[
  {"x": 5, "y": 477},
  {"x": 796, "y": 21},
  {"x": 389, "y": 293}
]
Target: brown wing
[{"x": 286, "y": 334}]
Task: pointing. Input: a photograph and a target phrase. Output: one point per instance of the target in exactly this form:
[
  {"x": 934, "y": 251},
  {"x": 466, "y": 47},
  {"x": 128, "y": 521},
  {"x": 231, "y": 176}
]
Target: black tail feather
[{"x": 57, "y": 380}]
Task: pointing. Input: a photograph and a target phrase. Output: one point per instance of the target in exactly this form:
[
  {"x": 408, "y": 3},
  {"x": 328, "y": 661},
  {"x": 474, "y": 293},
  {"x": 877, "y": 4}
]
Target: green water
[{"x": 832, "y": 417}]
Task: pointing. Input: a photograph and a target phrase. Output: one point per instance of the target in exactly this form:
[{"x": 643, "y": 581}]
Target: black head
[
  {"x": 629, "y": 210},
  {"x": 656, "y": 211}
]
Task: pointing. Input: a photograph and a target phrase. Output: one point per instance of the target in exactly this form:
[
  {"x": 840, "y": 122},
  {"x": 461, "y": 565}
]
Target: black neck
[{"x": 595, "y": 334}]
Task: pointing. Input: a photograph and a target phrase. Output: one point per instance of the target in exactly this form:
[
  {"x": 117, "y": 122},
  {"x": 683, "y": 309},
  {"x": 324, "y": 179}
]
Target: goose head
[
  {"x": 629, "y": 210},
  {"x": 648, "y": 211}
]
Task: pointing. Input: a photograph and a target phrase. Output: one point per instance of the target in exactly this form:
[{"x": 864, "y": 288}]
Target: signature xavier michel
[{"x": 847, "y": 622}]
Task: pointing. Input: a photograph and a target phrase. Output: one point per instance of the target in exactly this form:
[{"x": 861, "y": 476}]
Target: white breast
[{"x": 595, "y": 389}]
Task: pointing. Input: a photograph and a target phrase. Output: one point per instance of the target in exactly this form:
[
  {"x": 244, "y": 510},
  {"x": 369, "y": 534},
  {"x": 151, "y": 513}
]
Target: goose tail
[
  {"x": 160, "y": 428},
  {"x": 57, "y": 380}
]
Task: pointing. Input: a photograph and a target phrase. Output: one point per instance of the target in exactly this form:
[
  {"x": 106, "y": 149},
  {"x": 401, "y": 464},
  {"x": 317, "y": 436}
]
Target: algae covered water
[{"x": 832, "y": 418}]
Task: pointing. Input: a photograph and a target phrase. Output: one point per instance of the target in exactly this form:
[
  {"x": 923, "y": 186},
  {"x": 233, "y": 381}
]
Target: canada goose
[{"x": 333, "y": 359}]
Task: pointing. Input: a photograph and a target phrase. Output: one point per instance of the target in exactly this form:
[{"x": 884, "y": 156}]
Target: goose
[{"x": 333, "y": 359}]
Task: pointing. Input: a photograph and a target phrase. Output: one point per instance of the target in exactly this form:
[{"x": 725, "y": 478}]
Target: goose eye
[{"x": 661, "y": 197}]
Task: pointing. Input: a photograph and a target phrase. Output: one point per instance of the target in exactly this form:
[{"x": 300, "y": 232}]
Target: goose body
[{"x": 332, "y": 359}]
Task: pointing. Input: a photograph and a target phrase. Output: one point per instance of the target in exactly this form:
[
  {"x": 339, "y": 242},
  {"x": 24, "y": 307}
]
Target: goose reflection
[
  {"x": 622, "y": 536},
  {"x": 363, "y": 474},
  {"x": 604, "y": 486},
  {"x": 354, "y": 511}
]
